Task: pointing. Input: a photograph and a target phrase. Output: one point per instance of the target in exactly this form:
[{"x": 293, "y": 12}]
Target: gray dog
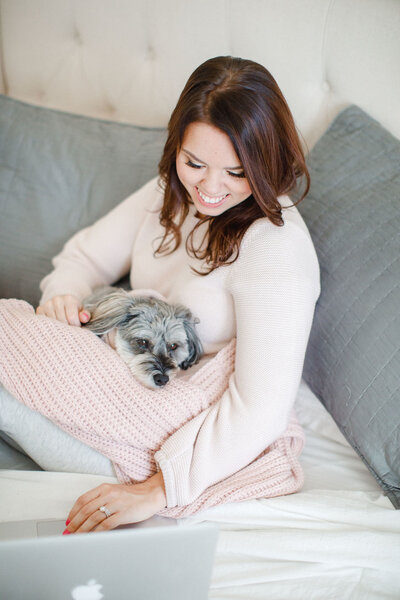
[{"x": 154, "y": 338}]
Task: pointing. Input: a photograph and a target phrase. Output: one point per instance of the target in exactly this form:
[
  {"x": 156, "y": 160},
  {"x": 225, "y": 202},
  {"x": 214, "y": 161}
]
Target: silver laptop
[{"x": 152, "y": 560}]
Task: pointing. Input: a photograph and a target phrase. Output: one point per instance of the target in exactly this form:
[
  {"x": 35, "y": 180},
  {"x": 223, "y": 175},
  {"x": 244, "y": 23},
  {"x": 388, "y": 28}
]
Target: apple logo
[{"x": 90, "y": 591}]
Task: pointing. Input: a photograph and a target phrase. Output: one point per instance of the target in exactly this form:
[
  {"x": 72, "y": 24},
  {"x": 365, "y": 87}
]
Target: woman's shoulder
[
  {"x": 286, "y": 248},
  {"x": 265, "y": 234},
  {"x": 270, "y": 253}
]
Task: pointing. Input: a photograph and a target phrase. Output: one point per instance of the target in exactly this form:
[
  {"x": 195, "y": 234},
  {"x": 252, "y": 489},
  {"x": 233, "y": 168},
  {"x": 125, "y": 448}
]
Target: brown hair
[{"x": 242, "y": 99}]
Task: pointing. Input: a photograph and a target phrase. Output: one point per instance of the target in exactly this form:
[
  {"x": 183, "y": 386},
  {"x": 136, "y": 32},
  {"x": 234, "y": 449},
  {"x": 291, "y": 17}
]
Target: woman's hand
[
  {"x": 126, "y": 503},
  {"x": 67, "y": 309}
]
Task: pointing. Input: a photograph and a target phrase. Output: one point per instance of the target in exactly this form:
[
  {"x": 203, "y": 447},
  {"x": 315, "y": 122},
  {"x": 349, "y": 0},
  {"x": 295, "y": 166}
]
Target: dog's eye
[
  {"x": 143, "y": 344},
  {"x": 172, "y": 347}
]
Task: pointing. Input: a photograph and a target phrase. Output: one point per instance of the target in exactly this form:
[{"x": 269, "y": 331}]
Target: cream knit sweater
[{"x": 266, "y": 298}]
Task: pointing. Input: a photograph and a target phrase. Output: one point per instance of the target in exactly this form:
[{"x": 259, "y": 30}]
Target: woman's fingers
[
  {"x": 63, "y": 308},
  {"x": 126, "y": 503},
  {"x": 72, "y": 307},
  {"x": 89, "y": 517},
  {"x": 84, "y": 316},
  {"x": 110, "y": 522},
  {"x": 59, "y": 308},
  {"x": 46, "y": 310},
  {"x": 85, "y": 499},
  {"x": 85, "y": 515}
]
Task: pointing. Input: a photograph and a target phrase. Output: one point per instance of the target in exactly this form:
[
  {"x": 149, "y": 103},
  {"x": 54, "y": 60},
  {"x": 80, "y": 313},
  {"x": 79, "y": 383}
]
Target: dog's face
[
  {"x": 153, "y": 338},
  {"x": 154, "y": 341}
]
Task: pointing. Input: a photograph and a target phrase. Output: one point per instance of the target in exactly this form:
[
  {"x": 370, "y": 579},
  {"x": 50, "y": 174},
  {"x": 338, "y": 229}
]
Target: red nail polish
[
  {"x": 67, "y": 522},
  {"x": 66, "y": 532}
]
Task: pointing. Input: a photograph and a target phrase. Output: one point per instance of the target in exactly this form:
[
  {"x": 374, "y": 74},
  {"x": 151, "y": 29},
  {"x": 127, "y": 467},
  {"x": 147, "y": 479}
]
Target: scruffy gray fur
[{"x": 153, "y": 337}]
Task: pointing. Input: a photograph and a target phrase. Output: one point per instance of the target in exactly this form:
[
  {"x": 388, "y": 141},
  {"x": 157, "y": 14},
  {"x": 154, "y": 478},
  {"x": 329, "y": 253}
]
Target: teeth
[{"x": 210, "y": 200}]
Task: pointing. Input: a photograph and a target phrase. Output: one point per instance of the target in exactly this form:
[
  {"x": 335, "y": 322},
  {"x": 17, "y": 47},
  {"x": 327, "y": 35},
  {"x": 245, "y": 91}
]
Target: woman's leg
[{"x": 49, "y": 446}]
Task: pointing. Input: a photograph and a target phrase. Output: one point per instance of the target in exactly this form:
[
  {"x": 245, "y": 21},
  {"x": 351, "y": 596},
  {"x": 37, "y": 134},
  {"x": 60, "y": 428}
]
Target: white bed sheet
[{"x": 339, "y": 538}]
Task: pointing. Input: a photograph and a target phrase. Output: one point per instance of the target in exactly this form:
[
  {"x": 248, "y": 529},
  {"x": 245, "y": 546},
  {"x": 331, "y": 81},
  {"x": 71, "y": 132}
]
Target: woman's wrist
[{"x": 157, "y": 487}]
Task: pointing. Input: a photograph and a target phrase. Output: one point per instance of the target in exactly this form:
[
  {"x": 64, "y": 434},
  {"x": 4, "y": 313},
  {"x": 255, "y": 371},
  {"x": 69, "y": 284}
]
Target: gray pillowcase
[
  {"x": 60, "y": 172},
  {"x": 353, "y": 357}
]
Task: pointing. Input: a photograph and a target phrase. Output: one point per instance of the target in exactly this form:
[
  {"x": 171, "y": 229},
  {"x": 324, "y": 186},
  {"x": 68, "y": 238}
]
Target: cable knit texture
[{"x": 70, "y": 376}]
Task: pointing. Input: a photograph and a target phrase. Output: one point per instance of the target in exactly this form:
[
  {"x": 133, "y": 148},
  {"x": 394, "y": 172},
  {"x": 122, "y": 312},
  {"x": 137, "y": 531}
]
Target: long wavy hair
[{"x": 242, "y": 99}]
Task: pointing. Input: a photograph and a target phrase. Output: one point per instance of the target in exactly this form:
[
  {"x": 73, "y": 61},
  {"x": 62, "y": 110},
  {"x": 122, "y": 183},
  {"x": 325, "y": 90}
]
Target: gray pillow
[
  {"x": 60, "y": 172},
  {"x": 353, "y": 357}
]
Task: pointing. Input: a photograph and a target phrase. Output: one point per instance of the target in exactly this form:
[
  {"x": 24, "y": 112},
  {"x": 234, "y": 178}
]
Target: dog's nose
[{"x": 160, "y": 379}]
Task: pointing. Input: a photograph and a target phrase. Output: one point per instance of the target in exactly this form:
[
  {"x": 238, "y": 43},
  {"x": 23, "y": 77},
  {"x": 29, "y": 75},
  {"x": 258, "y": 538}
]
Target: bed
[
  {"x": 338, "y": 538},
  {"x": 83, "y": 73}
]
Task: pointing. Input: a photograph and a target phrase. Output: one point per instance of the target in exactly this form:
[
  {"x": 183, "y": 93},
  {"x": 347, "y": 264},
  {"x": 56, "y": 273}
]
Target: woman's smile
[{"x": 207, "y": 200}]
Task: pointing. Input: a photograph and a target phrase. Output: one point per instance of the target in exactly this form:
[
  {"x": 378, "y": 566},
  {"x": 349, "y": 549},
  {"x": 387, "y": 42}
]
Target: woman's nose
[{"x": 212, "y": 183}]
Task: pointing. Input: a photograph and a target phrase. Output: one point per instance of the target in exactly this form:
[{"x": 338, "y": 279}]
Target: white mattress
[{"x": 339, "y": 538}]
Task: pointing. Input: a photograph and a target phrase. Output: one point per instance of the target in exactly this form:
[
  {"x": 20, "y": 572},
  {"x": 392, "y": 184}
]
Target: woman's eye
[
  {"x": 193, "y": 165},
  {"x": 172, "y": 346},
  {"x": 237, "y": 174}
]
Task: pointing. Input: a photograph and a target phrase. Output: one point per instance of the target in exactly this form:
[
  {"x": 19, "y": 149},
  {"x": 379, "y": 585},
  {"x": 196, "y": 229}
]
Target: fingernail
[
  {"x": 85, "y": 316},
  {"x": 66, "y": 532},
  {"x": 67, "y": 522}
]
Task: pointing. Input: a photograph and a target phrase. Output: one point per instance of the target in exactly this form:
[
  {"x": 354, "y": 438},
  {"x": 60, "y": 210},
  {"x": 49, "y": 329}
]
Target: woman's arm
[
  {"x": 275, "y": 285},
  {"x": 100, "y": 254}
]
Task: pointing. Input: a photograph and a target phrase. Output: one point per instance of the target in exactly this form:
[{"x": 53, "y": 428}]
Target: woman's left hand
[{"x": 126, "y": 503}]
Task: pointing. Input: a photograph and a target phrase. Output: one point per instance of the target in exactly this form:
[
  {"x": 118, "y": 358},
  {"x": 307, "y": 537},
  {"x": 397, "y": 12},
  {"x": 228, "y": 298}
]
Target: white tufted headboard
[{"x": 128, "y": 60}]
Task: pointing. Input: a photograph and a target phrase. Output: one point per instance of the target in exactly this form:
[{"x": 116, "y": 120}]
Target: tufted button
[
  {"x": 77, "y": 37},
  {"x": 150, "y": 54},
  {"x": 109, "y": 108},
  {"x": 325, "y": 86}
]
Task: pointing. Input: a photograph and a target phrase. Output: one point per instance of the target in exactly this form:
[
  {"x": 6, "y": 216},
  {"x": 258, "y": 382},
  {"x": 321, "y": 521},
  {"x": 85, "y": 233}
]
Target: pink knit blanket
[{"x": 73, "y": 378}]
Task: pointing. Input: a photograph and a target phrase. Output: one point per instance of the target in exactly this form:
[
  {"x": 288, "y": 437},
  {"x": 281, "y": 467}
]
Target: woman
[{"x": 217, "y": 233}]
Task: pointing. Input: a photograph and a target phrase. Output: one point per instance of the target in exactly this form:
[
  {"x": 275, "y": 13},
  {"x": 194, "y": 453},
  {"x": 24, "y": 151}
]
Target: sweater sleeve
[
  {"x": 100, "y": 254},
  {"x": 275, "y": 285}
]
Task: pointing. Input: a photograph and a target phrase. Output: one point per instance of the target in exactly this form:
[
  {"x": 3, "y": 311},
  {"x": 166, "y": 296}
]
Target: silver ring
[{"x": 105, "y": 510}]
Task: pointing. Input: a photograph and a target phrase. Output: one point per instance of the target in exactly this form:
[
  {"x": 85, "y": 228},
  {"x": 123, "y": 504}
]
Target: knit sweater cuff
[{"x": 172, "y": 474}]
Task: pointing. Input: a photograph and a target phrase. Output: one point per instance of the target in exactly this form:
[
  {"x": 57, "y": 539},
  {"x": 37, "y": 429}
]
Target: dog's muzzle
[{"x": 161, "y": 364}]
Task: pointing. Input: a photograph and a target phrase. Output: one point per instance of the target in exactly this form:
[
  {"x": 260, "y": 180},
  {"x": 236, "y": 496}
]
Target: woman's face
[{"x": 210, "y": 171}]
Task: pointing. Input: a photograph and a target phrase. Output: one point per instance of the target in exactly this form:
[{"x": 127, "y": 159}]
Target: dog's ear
[
  {"x": 109, "y": 310},
  {"x": 195, "y": 348}
]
